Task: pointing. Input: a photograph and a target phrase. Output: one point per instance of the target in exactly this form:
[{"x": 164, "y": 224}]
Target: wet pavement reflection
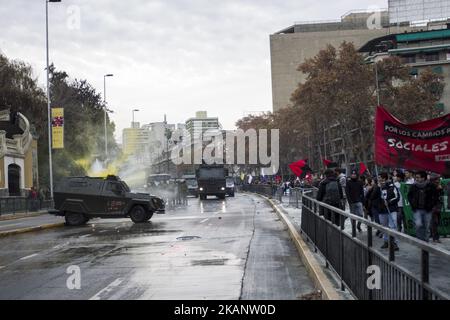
[{"x": 211, "y": 249}]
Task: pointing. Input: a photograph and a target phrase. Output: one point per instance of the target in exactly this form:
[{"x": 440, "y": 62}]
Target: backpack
[{"x": 332, "y": 194}]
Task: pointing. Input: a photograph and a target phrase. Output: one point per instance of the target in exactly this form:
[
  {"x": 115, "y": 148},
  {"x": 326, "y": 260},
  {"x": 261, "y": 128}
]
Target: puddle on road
[
  {"x": 209, "y": 262},
  {"x": 187, "y": 238}
]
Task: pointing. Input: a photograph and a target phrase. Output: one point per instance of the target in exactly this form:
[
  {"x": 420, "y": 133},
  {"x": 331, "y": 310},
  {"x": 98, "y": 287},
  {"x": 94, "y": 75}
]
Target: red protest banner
[{"x": 419, "y": 146}]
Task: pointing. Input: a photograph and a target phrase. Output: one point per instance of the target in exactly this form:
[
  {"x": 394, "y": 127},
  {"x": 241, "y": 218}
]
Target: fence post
[
  {"x": 391, "y": 248},
  {"x": 425, "y": 266},
  {"x": 341, "y": 253},
  {"x": 369, "y": 254}
]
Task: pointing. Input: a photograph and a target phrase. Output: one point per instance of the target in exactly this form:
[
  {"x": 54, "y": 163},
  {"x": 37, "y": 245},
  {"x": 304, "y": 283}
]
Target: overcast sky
[{"x": 168, "y": 57}]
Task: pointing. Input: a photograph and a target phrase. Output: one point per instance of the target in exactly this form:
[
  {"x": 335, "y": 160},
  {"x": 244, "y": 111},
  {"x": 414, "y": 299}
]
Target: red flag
[
  {"x": 295, "y": 169},
  {"x": 300, "y": 163},
  {"x": 326, "y": 162},
  {"x": 362, "y": 168}
]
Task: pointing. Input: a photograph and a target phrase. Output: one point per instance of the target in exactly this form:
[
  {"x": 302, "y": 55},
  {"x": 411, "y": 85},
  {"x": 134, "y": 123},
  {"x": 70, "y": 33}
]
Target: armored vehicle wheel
[
  {"x": 148, "y": 216},
  {"x": 139, "y": 215},
  {"x": 75, "y": 219}
]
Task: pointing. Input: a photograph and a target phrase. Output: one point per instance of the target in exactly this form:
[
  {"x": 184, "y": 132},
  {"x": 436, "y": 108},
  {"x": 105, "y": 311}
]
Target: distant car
[
  {"x": 192, "y": 185},
  {"x": 230, "y": 187},
  {"x": 79, "y": 199}
]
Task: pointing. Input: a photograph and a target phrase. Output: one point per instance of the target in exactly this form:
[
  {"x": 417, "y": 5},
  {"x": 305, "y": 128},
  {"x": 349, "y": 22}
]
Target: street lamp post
[
  {"x": 50, "y": 162},
  {"x": 105, "y": 111},
  {"x": 378, "y": 85}
]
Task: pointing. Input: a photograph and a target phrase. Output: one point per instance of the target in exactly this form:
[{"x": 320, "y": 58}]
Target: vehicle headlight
[
  {"x": 201, "y": 189},
  {"x": 222, "y": 188}
]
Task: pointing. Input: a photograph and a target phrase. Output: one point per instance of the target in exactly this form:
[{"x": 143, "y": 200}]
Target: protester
[
  {"x": 375, "y": 204},
  {"x": 437, "y": 208},
  {"x": 342, "y": 178},
  {"x": 367, "y": 192},
  {"x": 421, "y": 197},
  {"x": 389, "y": 207},
  {"x": 355, "y": 196},
  {"x": 448, "y": 196},
  {"x": 330, "y": 192},
  {"x": 33, "y": 199},
  {"x": 409, "y": 177},
  {"x": 401, "y": 220}
]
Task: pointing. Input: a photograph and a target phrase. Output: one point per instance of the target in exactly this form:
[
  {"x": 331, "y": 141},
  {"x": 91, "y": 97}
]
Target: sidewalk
[
  {"x": 20, "y": 215},
  {"x": 28, "y": 223},
  {"x": 408, "y": 256}
]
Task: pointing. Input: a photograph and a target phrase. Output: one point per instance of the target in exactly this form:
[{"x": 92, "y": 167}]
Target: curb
[
  {"x": 31, "y": 229},
  {"x": 21, "y": 215},
  {"x": 315, "y": 271}
]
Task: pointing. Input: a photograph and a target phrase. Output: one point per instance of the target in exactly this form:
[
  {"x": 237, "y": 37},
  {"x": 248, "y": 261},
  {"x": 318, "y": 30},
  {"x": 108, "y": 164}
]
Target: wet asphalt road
[{"x": 232, "y": 249}]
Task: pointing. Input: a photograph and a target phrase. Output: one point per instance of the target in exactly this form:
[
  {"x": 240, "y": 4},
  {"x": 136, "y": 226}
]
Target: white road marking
[
  {"x": 108, "y": 288},
  {"x": 85, "y": 236},
  {"x": 203, "y": 221},
  {"x": 29, "y": 257},
  {"x": 103, "y": 231},
  {"x": 59, "y": 246}
]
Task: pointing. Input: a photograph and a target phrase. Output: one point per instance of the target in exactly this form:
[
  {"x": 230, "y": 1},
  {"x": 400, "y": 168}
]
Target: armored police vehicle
[
  {"x": 211, "y": 181},
  {"x": 79, "y": 199}
]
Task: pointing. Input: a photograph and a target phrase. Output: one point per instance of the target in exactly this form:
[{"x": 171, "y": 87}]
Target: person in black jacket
[
  {"x": 422, "y": 198},
  {"x": 354, "y": 190},
  {"x": 330, "y": 192},
  {"x": 436, "y": 211},
  {"x": 374, "y": 203},
  {"x": 390, "y": 196}
]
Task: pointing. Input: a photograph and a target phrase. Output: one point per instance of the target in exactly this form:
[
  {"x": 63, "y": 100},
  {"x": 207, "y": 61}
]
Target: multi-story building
[
  {"x": 419, "y": 50},
  {"x": 159, "y": 138},
  {"x": 201, "y": 123},
  {"x": 410, "y": 24},
  {"x": 135, "y": 139},
  {"x": 292, "y": 46}
]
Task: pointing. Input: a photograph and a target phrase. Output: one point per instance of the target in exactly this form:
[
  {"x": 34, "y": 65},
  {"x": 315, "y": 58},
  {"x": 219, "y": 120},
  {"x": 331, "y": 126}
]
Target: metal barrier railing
[
  {"x": 295, "y": 196},
  {"x": 12, "y": 205},
  {"x": 351, "y": 257},
  {"x": 271, "y": 191}
]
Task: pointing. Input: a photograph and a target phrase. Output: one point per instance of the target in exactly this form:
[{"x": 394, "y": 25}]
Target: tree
[
  {"x": 333, "y": 110},
  {"x": 83, "y": 111}
]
